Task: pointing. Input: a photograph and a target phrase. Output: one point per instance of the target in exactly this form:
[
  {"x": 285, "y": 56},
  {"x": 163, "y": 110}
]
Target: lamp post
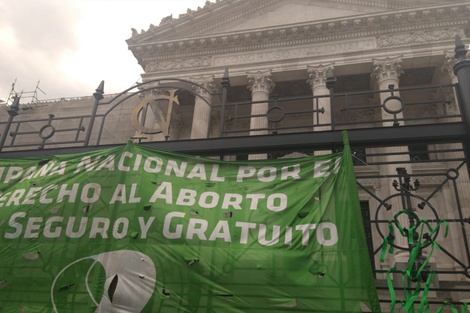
[
  {"x": 330, "y": 84},
  {"x": 462, "y": 71},
  {"x": 225, "y": 82}
]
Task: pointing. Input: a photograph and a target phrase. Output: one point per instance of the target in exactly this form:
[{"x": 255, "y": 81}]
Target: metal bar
[
  {"x": 286, "y": 99},
  {"x": 462, "y": 228},
  {"x": 37, "y": 143},
  {"x": 387, "y": 136},
  {"x": 450, "y": 255},
  {"x": 79, "y": 128},
  {"x": 5, "y": 131},
  {"x": 286, "y": 113},
  {"x": 361, "y": 93},
  {"x": 225, "y": 85},
  {"x": 100, "y": 132},
  {"x": 245, "y": 130},
  {"x": 451, "y": 220},
  {"x": 431, "y": 118},
  {"x": 98, "y": 95},
  {"x": 15, "y": 133},
  {"x": 462, "y": 71},
  {"x": 413, "y": 162},
  {"x": 12, "y": 112}
]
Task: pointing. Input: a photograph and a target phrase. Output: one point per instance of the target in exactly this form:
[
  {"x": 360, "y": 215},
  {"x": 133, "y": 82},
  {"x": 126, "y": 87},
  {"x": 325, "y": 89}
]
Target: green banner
[{"x": 133, "y": 229}]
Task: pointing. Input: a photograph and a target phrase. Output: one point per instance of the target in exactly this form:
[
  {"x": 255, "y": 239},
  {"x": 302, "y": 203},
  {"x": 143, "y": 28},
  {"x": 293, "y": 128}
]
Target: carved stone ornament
[
  {"x": 317, "y": 75},
  {"x": 260, "y": 81},
  {"x": 449, "y": 62},
  {"x": 417, "y": 37},
  {"x": 388, "y": 68},
  {"x": 175, "y": 65},
  {"x": 166, "y": 19},
  {"x": 205, "y": 81},
  {"x": 448, "y": 68}
]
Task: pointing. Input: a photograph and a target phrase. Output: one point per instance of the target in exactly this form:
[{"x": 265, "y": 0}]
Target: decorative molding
[
  {"x": 206, "y": 82},
  {"x": 388, "y": 68},
  {"x": 448, "y": 68},
  {"x": 284, "y": 53},
  {"x": 174, "y": 65},
  {"x": 260, "y": 81},
  {"x": 238, "y": 9},
  {"x": 417, "y": 37},
  {"x": 415, "y": 26},
  {"x": 317, "y": 75},
  {"x": 448, "y": 65},
  {"x": 290, "y": 52}
]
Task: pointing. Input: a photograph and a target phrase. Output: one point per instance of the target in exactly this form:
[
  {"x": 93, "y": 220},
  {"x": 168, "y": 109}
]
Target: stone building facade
[{"x": 302, "y": 66}]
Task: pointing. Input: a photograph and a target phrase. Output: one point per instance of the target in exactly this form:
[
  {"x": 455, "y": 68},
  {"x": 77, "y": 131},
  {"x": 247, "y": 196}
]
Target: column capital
[
  {"x": 206, "y": 82},
  {"x": 317, "y": 74},
  {"x": 388, "y": 68},
  {"x": 448, "y": 65},
  {"x": 260, "y": 81}
]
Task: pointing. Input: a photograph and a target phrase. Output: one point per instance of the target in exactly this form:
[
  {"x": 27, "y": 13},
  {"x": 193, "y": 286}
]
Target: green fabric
[
  {"x": 393, "y": 296},
  {"x": 424, "y": 306},
  {"x": 410, "y": 297},
  {"x": 134, "y": 229},
  {"x": 388, "y": 241},
  {"x": 445, "y": 304}
]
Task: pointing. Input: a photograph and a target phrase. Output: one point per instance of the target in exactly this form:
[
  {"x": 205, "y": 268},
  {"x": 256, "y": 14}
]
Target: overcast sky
[{"x": 71, "y": 45}]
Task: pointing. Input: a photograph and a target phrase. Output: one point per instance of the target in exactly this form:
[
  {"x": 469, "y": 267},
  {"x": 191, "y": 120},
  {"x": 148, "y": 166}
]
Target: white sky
[{"x": 71, "y": 45}]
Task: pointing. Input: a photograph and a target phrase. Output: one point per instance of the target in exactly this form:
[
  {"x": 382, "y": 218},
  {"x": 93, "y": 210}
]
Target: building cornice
[
  {"x": 380, "y": 25},
  {"x": 214, "y": 15}
]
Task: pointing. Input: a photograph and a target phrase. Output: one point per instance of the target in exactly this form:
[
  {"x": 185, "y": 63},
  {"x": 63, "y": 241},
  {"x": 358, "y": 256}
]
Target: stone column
[
  {"x": 387, "y": 72},
  {"x": 202, "y": 107},
  {"x": 317, "y": 79},
  {"x": 261, "y": 85}
]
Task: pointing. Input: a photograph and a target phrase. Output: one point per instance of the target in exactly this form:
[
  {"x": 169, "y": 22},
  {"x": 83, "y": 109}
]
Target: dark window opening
[
  {"x": 359, "y": 156},
  {"x": 418, "y": 153},
  {"x": 242, "y": 157}
]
